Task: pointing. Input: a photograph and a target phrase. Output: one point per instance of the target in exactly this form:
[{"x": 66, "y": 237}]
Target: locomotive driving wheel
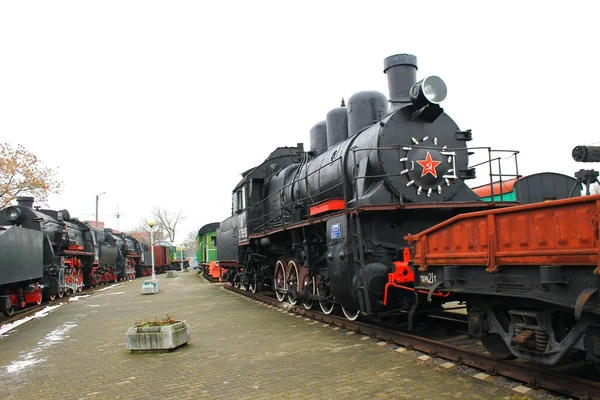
[
  {"x": 350, "y": 314},
  {"x": 253, "y": 286},
  {"x": 79, "y": 280},
  {"x": 9, "y": 311},
  {"x": 326, "y": 306},
  {"x": 279, "y": 280},
  {"x": 308, "y": 281},
  {"x": 74, "y": 281},
  {"x": 293, "y": 283}
]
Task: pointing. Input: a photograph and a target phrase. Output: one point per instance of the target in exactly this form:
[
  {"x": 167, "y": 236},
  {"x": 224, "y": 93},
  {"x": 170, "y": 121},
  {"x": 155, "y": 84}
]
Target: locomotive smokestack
[
  {"x": 25, "y": 201},
  {"x": 401, "y": 71}
]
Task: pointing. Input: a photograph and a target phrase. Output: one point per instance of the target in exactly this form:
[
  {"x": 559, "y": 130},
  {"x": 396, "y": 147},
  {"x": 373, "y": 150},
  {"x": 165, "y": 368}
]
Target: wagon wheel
[
  {"x": 9, "y": 311},
  {"x": 350, "y": 314},
  {"x": 279, "y": 280},
  {"x": 307, "y": 281},
  {"x": 293, "y": 284},
  {"x": 497, "y": 347}
]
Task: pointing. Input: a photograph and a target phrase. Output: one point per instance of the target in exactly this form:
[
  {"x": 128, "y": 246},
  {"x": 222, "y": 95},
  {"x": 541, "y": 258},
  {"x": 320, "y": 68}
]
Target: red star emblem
[{"x": 429, "y": 166}]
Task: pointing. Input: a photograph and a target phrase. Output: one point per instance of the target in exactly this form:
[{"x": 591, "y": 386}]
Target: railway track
[
  {"x": 570, "y": 383},
  {"x": 32, "y": 310}
]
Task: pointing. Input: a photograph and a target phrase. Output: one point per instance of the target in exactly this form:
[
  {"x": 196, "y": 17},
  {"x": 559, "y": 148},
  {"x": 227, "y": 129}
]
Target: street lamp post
[
  {"x": 152, "y": 224},
  {"x": 97, "y": 196}
]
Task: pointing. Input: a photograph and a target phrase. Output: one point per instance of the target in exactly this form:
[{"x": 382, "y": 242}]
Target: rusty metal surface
[
  {"x": 534, "y": 377},
  {"x": 534, "y": 234}
]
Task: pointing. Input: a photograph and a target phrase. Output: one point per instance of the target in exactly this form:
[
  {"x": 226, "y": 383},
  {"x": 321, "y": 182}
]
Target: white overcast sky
[{"x": 165, "y": 103}]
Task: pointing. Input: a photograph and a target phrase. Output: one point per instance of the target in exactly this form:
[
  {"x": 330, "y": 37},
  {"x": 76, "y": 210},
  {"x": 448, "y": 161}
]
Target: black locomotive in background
[{"x": 46, "y": 254}]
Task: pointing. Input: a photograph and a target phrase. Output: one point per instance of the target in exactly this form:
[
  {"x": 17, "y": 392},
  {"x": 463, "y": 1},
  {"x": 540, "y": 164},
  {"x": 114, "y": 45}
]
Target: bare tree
[
  {"x": 22, "y": 173},
  {"x": 190, "y": 242},
  {"x": 168, "y": 221},
  {"x": 142, "y": 232}
]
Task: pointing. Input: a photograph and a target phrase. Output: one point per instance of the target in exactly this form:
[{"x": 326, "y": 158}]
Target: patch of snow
[
  {"x": 8, "y": 327},
  {"x": 49, "y": 340}
]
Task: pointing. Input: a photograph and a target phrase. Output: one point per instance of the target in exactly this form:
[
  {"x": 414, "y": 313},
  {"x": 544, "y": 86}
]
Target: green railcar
[{"x": 206, "y": 243}]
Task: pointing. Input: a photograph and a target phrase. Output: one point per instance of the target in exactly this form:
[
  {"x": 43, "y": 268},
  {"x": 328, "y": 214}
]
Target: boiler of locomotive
[
  {"x": 62, "y": 233},
  {"x": 415, "y": 153}
]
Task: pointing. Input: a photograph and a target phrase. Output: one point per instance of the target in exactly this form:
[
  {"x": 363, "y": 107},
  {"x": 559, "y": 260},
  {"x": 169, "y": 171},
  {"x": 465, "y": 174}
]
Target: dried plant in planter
[
  {"x": 167, "y": 320},
  {"x": 157, "y": 335}
]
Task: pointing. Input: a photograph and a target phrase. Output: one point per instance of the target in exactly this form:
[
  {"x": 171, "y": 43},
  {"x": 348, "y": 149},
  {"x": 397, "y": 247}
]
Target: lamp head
[
  {"x": 431, "y": 90},
  {"x": 151, "y": 223}
]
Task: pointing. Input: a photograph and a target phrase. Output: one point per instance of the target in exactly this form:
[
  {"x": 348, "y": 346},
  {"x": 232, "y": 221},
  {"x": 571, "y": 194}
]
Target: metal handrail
[{"x": 282, "y": 216}]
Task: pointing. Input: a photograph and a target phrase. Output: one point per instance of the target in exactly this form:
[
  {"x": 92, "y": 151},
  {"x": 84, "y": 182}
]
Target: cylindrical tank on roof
[
  {"x": 364, "y": 109},
  {"x": 318, "y": 138},
  {"x": 337, "y": 125}
]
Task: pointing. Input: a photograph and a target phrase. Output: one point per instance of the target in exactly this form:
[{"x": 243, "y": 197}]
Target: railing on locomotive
[
  {"x": 488, "y": 162},
  {"x": 278, "y": 214},
  {"x": 500, "y": 175}
]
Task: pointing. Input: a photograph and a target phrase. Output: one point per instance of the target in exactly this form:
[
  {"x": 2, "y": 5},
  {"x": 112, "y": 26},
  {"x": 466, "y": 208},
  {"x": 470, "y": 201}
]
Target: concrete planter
[
  {"x": 153, "y": 338},
  {"x": 151, "y": 286}
]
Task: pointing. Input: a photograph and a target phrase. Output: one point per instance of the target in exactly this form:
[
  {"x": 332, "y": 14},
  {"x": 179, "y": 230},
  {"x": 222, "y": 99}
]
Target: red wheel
[{"x": 79, "y": 280}]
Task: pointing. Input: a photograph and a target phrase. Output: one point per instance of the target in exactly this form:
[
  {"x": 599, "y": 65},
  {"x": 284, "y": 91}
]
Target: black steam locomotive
[
  {"x": 46, "y": 253},
  {"x": 328, "y": 225}
]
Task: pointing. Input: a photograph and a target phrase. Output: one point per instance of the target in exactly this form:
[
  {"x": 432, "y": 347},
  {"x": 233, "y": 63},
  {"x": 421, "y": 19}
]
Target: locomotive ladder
[{"x": 358, "y": 255}]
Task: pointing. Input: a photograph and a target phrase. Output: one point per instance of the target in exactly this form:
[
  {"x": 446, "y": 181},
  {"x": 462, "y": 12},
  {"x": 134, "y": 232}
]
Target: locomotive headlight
[
  {"x": 13, "y": 214},
  {"x": 431, "y": 90}
]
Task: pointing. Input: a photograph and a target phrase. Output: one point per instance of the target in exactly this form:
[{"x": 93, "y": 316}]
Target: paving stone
[{"x": 238, "y": 350}]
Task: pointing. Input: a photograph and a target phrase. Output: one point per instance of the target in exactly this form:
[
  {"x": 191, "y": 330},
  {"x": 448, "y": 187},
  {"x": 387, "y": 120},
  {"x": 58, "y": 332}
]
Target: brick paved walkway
[{"x": 239, "y": 349}]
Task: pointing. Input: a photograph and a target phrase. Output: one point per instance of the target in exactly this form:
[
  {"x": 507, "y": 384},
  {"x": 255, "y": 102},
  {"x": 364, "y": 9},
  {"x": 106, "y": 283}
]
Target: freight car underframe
[
  {"x": 529, "y": 275},
  {"x": 537, "y": 313}
]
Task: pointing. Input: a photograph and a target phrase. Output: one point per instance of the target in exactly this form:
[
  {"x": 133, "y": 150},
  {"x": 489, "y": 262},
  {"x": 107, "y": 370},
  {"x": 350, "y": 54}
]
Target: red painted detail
[
  {"x": 405, "y": 274},
  {"x": 327, "y": 205},
  {"x": 77, "y": 247},
  {"x": 429, "y": 165},
  {"x": 34, "y": 296},
  {"x": 215, "y": 271},
  {"x": 402, "y": 274},
  {"x": 499, "y": 187}
]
